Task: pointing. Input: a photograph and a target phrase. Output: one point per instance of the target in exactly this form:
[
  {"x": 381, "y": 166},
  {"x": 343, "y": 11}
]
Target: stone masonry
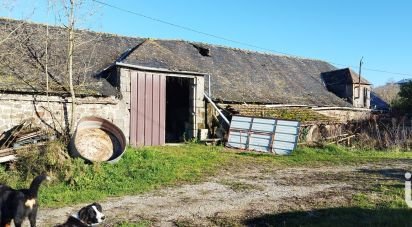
[{"x": 54, "y": 112}]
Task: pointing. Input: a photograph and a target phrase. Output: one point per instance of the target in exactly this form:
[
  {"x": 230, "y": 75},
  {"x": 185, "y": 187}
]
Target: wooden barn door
[{"x": 148, "y": 109}]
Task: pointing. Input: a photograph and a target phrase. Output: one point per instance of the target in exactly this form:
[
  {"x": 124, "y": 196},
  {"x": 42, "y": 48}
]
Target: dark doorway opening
[{"x": 177, "y": 108}]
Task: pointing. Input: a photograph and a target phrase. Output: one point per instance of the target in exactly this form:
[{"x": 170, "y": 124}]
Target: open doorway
[{"x": 178, "y": 108}]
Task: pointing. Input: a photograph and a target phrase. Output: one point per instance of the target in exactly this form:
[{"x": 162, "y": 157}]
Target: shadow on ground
[
  {"x": 350, "y": 216},
  {"x": 390, "y": 173}
]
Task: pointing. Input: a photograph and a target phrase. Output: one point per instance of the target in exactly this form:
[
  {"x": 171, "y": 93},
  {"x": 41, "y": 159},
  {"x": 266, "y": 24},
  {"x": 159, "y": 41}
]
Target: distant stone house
[
  {"x": 348, "y": 85},
  {"x": 152, "y": 89}
]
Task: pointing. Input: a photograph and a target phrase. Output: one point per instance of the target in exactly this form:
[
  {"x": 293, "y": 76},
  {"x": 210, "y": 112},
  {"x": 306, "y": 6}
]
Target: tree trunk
[{"x": 70, "y": 67}]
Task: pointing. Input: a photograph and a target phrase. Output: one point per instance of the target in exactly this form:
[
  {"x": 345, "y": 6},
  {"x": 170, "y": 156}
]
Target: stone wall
[
  {"x": 345, "y": 115},
  {"x": 54, "y": 112}
]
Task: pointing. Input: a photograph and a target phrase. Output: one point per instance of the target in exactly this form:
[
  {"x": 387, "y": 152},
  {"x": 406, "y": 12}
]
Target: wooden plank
[
  {"x": 162, "y": 110},
  {"x": 156, "y": 109},
  {"x": 133, "y": 109},
  {"x": 148, "y": 110},
  {"x": 7, "y": 158},
  {"x": 6, "y": 152},
  {"x": 141, "y": 90}
]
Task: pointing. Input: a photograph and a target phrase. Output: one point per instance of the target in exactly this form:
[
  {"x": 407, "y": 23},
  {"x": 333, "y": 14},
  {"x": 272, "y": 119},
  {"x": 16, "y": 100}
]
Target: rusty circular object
[{"x": 97, "y": 140}]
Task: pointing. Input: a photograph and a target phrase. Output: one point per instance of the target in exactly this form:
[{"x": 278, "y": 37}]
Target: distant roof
[
  {"x": 346, "y": 75},
  {"x": 404, "y": 81},
  {"x": 378, "y": 103},
  {"x": 242, "y": 76},
  {"x": 236, "y": 75}
]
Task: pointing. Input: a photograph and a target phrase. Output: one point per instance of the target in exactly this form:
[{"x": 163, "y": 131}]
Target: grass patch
[
  {"x": 139, "y": 170},
  {"x": 145, "y": 169},
  {"x": 241, "y": 186},
  {"x": 329, "y": 155},
  {"x": 143, "y": 223}
]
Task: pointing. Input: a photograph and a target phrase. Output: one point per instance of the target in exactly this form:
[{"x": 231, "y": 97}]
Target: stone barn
[{"x": 154, "y": 90}]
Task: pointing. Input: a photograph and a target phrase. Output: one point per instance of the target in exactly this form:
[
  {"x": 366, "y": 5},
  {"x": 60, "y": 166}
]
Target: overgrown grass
[
  {"x": 138, "y": 171},
  {"x": 329, "y": 155},
  {"x": 145, "y": 169}
]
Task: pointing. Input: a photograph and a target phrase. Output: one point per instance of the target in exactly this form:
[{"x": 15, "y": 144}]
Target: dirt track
[{"x": 239, "y": 195}]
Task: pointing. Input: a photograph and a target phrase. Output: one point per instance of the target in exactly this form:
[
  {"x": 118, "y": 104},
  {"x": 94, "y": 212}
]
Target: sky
[{"x": 339, "y": 32}]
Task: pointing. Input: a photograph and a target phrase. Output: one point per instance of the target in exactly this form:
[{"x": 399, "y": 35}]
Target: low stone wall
[
  {"x": 344, "y": 115},
  {"x": 54, "y": 112}
]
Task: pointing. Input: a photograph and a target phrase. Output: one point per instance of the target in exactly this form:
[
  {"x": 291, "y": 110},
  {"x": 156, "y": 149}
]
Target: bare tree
[
  {"x": 33, "y": 59},
  {"x": 71, "y": 10},
  {"x": 70, "y": 51}
]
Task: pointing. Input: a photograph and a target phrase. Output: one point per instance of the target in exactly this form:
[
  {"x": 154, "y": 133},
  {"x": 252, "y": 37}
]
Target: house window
[
  {"x": 366, "y": 97},
  {"x": 356, "y": 92}
]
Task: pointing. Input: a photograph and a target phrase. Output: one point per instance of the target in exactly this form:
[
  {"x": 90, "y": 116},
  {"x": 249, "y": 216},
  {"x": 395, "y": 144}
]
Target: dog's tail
[{"x": 35, "y": 184}]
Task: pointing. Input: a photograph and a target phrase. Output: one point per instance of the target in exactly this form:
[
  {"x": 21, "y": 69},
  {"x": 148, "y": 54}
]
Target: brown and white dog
[
  {"x": 16, "y": 204},
  {"x": 90, "y": 215}
]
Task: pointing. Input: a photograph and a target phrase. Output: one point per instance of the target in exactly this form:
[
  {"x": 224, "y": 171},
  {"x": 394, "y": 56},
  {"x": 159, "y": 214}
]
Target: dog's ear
[
  {"x": 98, "y": 206},
  {"x": 85, "y": 214}
]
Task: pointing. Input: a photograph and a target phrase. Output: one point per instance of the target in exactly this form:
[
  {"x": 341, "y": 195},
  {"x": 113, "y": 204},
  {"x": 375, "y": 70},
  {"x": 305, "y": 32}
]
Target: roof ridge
[
  {"x": 176, "y": 40},
  {"x": 76, "y": 29},
  {"x": 244, "y": 50}
]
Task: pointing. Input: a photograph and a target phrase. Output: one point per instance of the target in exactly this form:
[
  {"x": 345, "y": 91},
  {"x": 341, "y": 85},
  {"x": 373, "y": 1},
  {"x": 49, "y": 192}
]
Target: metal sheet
[
  {"x": 287, "y": 130},
  {"x": 282, "y": 152},
  {"x": 241, "y": 122},
  {"x": 263, "y": 134},
  {"x": 268, "y": 126},
  {"x": 285, "y": 137}
]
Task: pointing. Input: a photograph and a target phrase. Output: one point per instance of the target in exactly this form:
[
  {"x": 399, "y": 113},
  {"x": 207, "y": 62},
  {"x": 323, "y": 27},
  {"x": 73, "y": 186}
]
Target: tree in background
[{"x": 404, "y": 103}]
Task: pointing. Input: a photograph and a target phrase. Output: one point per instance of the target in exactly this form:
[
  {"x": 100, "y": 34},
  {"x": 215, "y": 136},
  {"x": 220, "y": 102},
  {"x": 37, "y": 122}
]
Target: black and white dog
[
  {"x": 90, "y": 215},
  {"x": 16, "y": 204}
]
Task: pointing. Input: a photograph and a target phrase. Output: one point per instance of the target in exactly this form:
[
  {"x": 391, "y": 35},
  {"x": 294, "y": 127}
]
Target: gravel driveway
[{"x": 236, "y": 195}]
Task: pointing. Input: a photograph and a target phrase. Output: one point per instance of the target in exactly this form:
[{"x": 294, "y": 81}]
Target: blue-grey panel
[
  {"x": 287, "y": 130},
  {"x": 259, "y": 148},
  {"x": 282, "y": 152},
  {"x": 264, "y": 121},
  {"x": 284, "y": 145},
  {"x": 285, "y": 137},
  {"x": 257, "y": 134},
  {"x": 240, "y": 118},
  {"x": 241, "y": 123},
  {"x": 238, "y": 138},
  {"x": 260, "y": 140},
  {"x": 263, "y": 127},
  {"x": 288, "y": 123}
]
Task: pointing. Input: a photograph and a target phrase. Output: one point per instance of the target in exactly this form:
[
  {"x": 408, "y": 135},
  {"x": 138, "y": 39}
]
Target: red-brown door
[{"x": 148, "y": 109}]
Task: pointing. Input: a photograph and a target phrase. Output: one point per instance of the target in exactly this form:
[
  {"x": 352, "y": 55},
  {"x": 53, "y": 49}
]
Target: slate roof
[
  {"x": 343, "y": 76},
  {"x": 237, "y": 75},
  {"x": 22, "y": 58},
  {"x": 242, "y": 76}
]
